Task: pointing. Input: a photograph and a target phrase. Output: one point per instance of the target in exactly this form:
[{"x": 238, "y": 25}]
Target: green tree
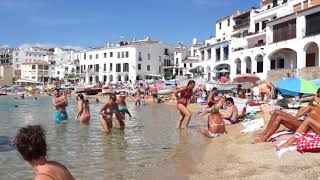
[
  {"x": 71, "y": 76},
  {"x": 167, "y": 75}
]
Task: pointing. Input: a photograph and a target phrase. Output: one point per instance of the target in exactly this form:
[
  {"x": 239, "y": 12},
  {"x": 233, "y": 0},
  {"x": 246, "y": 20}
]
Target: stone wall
[
  {"x": 308, "y": 73},
  {"x": 276, "y": 75}
]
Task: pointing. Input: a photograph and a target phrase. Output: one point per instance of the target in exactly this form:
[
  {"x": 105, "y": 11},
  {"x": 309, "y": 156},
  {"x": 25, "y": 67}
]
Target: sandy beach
[{"x": 233, "y": 156}]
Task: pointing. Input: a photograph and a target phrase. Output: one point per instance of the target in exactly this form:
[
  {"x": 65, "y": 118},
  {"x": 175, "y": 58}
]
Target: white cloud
[{"x": 42, "y": 45}]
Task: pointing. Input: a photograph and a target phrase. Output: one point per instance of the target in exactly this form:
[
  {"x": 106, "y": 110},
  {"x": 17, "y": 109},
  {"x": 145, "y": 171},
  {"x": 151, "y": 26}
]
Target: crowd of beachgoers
[{"x": 219, "y": 110}]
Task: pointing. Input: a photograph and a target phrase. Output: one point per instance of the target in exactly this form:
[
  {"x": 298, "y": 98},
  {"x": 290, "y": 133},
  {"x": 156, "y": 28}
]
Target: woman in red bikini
[{"x": 186, "y": 93}]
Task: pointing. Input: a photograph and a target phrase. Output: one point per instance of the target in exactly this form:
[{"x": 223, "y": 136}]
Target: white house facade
[{"x": 127, "y": 61}]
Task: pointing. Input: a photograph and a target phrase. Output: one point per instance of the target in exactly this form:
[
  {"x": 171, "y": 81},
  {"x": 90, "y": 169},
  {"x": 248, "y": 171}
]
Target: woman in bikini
[
  {"x": 186, "y": 93},
  {"x": 107, "y": 110},
  {"x": 216, "y": 126},
  {"x": 122, "y": 106},
  {"x": 231, "y": 115},
  {"x": 83, "y": 109},
  {"x": 31, "y": 144}
]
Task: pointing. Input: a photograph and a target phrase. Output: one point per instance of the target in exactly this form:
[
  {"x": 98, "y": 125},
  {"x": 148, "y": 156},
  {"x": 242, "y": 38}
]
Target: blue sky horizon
[{"x": 72, "y": 23}]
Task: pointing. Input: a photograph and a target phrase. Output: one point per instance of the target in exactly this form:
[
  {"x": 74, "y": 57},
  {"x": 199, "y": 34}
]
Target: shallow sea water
[{"x": 149, "y": 140}]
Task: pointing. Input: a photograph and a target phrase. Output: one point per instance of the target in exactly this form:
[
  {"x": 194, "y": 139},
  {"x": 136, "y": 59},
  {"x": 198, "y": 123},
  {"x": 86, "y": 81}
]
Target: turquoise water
[{"x": 149, "y": 140}]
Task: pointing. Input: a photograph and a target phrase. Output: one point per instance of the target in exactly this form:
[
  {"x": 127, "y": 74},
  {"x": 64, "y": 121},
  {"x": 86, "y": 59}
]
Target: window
[
  {"x": 184, "y": 65},
  {"x": 281, "y": 63},
  {"x": 81, "y": 68},
  {"x": 33, "y": 77},
  {"x": 260, "y": 67},
  {"x": 84, "y": 67},
  {"x": 127, "y": 54},
  {"x": 17, "y": 53},
  {"x": 125, "y": 67},
  {"x": 110, "y": 67},
  {"x": 177, "y": 61},
  {"x": 96, "y": 68},
  {"x": 166, "y": 52},
  {"x": 284, "y": 1},
  {"x": 190, "y": 65},
  {"x": 219, "y": 25},
  {"x": 140, "y": 58},
  {"x": 111, "y": 54},
  {"x": 284, "y": 31},
  {"x": 97, "y": 56},
  {"x": 17, "y": 59},
  {"x": 209, "y": 53},
  {"x": 33, "y": 66},
  {"x": 167, "y": 62},
  {"x": 104, "y": 67},
  {"x": 139, "y": 66},
  {"x": 228, "y": 22},
  {"x": 105, "y": 55},
  {"x": 312, "y": 24},
  {"x": 148, "y": 67},
  {"x": 119, "y": 55},
  {"x": 226, "y": 53},
  {"x": 122, "y": 54},
  {"x": 17, "y": 66},
  {"x": 268, "y": 7},
  {"x": 218, "y": 54},
  {"x": 118, "y": 67},
  {"x": 256, "y": 27},
  {"x": 149, "y": 56},
  {"x": 275, "y": 3},
  {"x": 46, "y": 67},
  {"x": 273, "y": 64},
  {"x": 264, "y": 24},
  {"x": 90, "y": 57},
  {"x": 202, "y": 55},
  {"x": 84, "y": 56}
]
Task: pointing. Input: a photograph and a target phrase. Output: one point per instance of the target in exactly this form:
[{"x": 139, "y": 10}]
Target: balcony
[{"x": 241, "y": 25}]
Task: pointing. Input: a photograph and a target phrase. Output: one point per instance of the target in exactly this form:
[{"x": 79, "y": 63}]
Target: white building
[
  {"x": 65, "y": 62},
  {"x": 127, "y": 61},
  {"x": 281, "y": 38},
  {"x": 35, "y": 71},
  {"x": 6, "y": 56}
]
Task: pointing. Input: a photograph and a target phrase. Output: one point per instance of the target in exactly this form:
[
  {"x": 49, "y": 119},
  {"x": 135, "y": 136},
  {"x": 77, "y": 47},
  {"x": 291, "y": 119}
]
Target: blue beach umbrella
[
  {"x": 317, "y": 82},
  {"x": 295, "y": 86}
]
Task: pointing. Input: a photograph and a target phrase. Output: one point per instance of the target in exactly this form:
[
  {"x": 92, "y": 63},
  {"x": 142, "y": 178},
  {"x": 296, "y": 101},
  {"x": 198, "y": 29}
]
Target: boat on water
[
  {"x": 227, "y": 86},
  {"x": 92, "y": 91},
  {"x": 81, "y": 89}
]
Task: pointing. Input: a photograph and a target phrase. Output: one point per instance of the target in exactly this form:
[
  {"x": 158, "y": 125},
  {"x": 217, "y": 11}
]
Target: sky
[{"x": 90, "y": 23}]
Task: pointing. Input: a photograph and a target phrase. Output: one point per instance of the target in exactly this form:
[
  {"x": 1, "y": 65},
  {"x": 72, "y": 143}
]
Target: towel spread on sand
[{"x": 253, "y": 125}]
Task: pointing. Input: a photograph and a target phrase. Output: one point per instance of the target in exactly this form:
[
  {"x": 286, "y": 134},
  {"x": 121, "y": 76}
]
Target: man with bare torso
[{"x": 60, "y": 103}]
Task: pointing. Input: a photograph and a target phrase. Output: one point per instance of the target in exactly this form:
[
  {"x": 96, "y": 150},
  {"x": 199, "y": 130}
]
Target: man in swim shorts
[{"x": 60, "y": 103}]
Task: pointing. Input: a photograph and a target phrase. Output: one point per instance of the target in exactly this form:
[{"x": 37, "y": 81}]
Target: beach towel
[
  {"x": 285, "y": 150},
  {"x": 307, "y": 142},
  {"x": 282, "y": 135},
  {"x": 251, "y": 126}
]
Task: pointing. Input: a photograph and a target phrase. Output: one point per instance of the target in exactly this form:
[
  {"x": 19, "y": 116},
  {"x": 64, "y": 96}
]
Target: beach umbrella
[
  {"x": 294, "y": 86},
  {"x": 317, "y": 82},
  {"x": 246, "y": 78}
]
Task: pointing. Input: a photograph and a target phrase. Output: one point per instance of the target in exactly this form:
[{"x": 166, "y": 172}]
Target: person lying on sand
[
  {"x": 216, "y": 126},
  {"x": 306, "y": 125},
  {"x": 289, "y": 121}
]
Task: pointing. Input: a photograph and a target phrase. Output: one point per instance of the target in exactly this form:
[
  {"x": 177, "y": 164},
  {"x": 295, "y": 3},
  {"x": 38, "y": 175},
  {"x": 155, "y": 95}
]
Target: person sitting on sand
[
  {"x": 289, "y": 121},
  {"x": 214, "y": 99},
  {"x": 107, "y": 110},
  {"x": 216, "y": 126},
  {"x": 83, "y": 109},
  {"x": 312, "y": 124},
  {"x": 31, "y": 144},
  {"x": 186, "y": 93},
  {"x": 231, "y": 115}
]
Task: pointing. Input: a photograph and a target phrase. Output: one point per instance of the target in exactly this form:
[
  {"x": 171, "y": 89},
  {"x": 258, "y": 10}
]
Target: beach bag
[{"x": 308, "y": 142}]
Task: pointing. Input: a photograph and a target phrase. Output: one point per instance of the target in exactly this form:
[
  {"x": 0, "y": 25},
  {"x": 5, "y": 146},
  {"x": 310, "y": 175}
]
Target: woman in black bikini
[{"x": 31, "y": 144}]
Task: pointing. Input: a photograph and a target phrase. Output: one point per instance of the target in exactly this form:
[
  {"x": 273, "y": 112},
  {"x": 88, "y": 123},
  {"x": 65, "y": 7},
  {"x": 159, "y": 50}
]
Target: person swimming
[{"x": 60, "y": 103}]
